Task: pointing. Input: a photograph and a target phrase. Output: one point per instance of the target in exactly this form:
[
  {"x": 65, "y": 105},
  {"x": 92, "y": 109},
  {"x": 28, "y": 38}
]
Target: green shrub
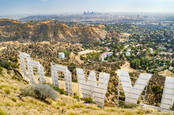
[
  {"x": 27, "y": 92},
  {"x": 7, "y": 91},
  {"x": 172, "y": 107},
  {"x": 13, "y": 99},
  {"x": 76, "y": 96},
  {"x": 126, "y": 105},
  {"x": 2, "y": 112},
  {"x": 61, "y": 91},
  {"x": 140, "y": 112},
  {"x": 87, "y": 100},
  {"x": 4, "y": 63},
  {"x": 0, "y": 70},
  {"x": 40, "y": 91}
]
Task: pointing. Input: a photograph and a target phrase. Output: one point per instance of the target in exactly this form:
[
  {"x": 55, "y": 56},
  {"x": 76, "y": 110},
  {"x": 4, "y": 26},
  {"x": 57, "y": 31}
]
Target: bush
[
  {"x": 140, "y": 112},
  {"x": 61, "y": 91},
  {"x": 87, "y": 100},
  {"x": 4, "y": 63},
  {"x": 7, "y": 91},
  {"x": 0, "y": 70},
  {"x": 2, "y": 112},
  {"x": 40, "y": 91},
  {"x": 27, "y": 92},
  {"x": 172, "y": 107},
  {"x": 126, "y": 105}
]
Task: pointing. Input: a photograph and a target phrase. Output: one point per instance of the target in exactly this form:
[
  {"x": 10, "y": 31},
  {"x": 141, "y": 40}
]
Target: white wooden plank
[
  {"x": 133, "y": 96},
  {"x": 136, "y": 90},
  {"x": 168, "y": 96},
  {"x": 130, "y": 100},
  {"x": 167, "y": 102},
  {"x": 165, "y": 106}
]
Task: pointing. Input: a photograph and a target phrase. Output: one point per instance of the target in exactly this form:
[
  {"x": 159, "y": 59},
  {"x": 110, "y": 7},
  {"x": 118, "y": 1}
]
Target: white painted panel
[
  {"x": 130, "y": 100},
  {"x": 24, "y": 56},
  {"x": 40, "y": 69},
  {"x": 132, "y": 96},
  {"x": 168, "y": 101},
  {"x": 99, "y": 99},
  {"x": 170, "y": 80},
  {"x": 99, "y": 95},
  {"x": 168, "y": 94},
  {"x": 126, "y": 84},
  {"x": 139, "y": 86},
  {"x": 99, "y": 90},
  {"x": 169, "y": 86},
  {"x": 169, "y": 91},
  {"x": 85, "y": 86},
  {"x": 132, "y": 93},
  {"x": 92, "y": 87},
  {"x": 165, "y": 106},
  {"x": 55, "y": 68}
]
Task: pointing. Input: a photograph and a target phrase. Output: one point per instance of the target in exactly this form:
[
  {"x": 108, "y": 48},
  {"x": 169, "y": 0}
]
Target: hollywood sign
[{"x": 97, "y": 89}]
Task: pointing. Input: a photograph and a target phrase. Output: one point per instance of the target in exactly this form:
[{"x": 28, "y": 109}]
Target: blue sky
[{"x": 33, "y": 7}]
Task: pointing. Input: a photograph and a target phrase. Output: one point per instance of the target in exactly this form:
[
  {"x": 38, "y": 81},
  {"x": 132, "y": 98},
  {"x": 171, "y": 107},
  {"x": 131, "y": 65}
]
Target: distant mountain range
[{"x": 88, "y": 18}]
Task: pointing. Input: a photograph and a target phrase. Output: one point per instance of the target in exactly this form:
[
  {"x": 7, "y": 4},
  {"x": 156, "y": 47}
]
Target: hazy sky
[{"x": 30, "y": 7}]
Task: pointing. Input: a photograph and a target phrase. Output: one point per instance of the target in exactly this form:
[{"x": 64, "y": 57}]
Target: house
[
  {"x": 128, "y": 53},
  {"x": 151, "y": 50},
  {"x": 61, "y": 55},
  {"x": 105, "y": 55}
]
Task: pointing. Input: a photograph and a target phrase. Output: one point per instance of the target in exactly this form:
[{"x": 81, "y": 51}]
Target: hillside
[
  {"x": 83, "y": 46},
  {"x": 11, "y": 103},
  {"x": 11, "y": 30}
]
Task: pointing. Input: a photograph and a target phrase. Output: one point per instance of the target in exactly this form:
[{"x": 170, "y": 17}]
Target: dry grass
[{"x": 11, "y": 104}]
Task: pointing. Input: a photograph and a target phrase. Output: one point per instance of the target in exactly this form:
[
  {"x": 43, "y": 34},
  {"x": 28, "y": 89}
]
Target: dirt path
[
  {"x": 77, "y": 58},
  {"x": 166, "y": 73}
]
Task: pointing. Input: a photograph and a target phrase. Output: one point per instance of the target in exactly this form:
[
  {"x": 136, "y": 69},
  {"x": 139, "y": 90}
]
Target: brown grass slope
[
  {"x": 11, "y": 30},
  {"x": 11, "y": 104}
]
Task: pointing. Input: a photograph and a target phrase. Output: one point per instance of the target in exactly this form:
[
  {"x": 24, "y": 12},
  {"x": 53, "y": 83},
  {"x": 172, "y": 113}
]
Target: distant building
[
  {"x": 105, "y": 55},
  {"x": 61, "y": 55},
  {"x": 128, "y": 53},
  {"x": 126, "y": 46},
  {"x": 129, "y": 50},
  {"x": 151, "y": 50},
  {"x": 170, "y": 68},
  {"x": 89, "y": 13}
]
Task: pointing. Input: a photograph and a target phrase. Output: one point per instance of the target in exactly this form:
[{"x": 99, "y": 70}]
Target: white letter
[
  {"x": 91, "y": 88},
  {"x": 40, "y": 71},
  {"x": 132, "y": 93},
  {"x": 67, "y": 73},
  {"x": 23, "y": 64},
  {"x": 168, "y": 94}
]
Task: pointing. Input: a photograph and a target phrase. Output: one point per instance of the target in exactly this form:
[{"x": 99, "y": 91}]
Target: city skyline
[{"x": 36, "y": 7}]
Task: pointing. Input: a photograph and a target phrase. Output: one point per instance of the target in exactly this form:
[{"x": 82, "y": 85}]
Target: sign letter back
[
  {"x": 168, "y": 94},
  {"x": 68, "y": 79},
  {"x": 92, "y": 88},
  {"x": 40, "y": 71},
  {"x": 24, "y": 65},
  {"x": 132, "y": 93}
]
